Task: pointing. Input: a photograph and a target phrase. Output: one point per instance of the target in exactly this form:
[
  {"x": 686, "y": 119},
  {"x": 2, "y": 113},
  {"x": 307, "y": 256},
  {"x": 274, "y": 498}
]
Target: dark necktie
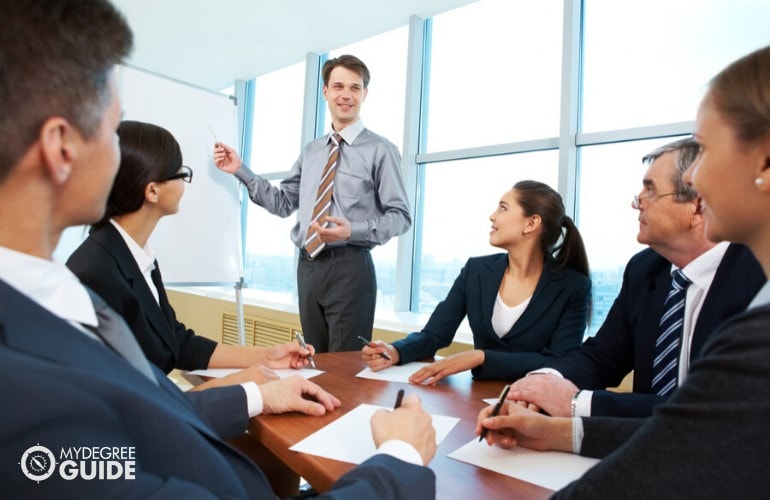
[
  {"x": 114, "y": 332},
  {"x": 669, "y": 332},
  {"x": 313, "y": 245}
]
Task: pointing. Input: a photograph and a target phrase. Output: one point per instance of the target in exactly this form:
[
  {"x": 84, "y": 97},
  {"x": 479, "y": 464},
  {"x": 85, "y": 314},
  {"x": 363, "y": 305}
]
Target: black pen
[
  {"x": 399, "y": 398},
  {"x": 366, "y": 343},
  {"x": 302, "y": 344},
  {"x": 496, "y": 409}
]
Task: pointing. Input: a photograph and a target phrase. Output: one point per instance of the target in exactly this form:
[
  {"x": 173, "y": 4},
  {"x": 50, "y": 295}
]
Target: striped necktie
[
  {"x": 314, "y": 246},
  {"x": 670, "y": 331}
]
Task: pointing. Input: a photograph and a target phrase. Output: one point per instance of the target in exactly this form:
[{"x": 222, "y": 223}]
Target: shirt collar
[
  {"x": 350, "y": 132},
  {"x": 701, "y": 271},
  {"x": 48, "y": 283},
  {"x": 144, "y": 257}
]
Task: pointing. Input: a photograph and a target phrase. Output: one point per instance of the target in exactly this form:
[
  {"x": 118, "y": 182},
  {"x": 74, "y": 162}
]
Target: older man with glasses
[{"x": 674, "y": 294}]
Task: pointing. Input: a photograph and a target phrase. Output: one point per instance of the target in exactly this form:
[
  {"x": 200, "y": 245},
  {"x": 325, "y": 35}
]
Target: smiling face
[
  {"x": 724, "y": 175},
  {"x": 344, "y": 94},
  {"x": 509, "y": 223}
]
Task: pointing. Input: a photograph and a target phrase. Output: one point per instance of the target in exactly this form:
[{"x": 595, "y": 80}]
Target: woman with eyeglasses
[{"x": 117, "y": 262}]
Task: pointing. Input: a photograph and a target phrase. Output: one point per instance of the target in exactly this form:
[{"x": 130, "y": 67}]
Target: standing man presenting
[{"x": 347, "y": 187}]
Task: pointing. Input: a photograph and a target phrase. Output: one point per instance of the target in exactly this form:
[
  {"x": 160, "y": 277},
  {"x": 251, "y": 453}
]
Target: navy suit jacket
[
  {"x": 552, "y": 324},
  {"x": 104, "y": 263},
  {"x": 65, "y": 390},
  {"x": 626, "y": 340}
]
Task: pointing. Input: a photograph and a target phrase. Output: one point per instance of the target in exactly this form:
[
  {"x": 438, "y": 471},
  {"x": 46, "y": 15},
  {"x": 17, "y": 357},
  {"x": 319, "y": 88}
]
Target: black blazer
[
  {"x": 552, "y": 324},
  {"x": 104, "y": 263},
  {"x": 626, "y": 340},
  {"x": 76, "y": 392}
]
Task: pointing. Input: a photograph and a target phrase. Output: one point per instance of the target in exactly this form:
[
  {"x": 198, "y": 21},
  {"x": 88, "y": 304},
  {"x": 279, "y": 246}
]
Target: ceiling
[{"x": 211, "y": 43}]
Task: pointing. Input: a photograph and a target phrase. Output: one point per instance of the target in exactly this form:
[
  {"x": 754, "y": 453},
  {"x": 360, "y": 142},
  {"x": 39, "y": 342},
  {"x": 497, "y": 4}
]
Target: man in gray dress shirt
[{"x": 337, "y": 286}]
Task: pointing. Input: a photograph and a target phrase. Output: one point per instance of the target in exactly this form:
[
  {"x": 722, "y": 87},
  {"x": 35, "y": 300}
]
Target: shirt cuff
[
  {"x": 577, "y": 435},
  {"x": 253, "y": 398},
  {"x": 358, "y": 232},
  {"x": 546, "y": 371},
  {"x": 583, "y": 406},
  {"x": 401, "y": 450}
]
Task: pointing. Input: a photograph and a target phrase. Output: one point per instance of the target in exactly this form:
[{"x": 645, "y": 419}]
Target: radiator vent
[{"x": 258, "y": 331}]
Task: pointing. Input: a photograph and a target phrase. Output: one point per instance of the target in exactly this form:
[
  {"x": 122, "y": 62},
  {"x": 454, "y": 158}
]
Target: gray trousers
[{"x": 337, "y": 295}]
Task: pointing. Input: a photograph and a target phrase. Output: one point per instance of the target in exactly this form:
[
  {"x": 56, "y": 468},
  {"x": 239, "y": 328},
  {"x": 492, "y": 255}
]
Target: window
[
  {"x": 655, "y": 69},
  {"x": 269, "y": 264},
  {"x": 495, "y": 74}
]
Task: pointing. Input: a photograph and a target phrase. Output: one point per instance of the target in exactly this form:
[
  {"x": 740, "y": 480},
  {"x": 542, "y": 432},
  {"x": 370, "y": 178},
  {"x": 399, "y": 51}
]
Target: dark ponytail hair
[
  {"x": 560, "y": 239},
  {"x": 148, "y": 153}
]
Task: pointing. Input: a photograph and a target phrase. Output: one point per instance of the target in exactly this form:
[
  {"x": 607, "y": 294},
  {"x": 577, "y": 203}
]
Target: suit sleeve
[
  {"x": 441, "y": 327},
  {"x": 603, "y": 360},
  {"x": 603, "y": 435},
  {"x": 384, "y": 477},
  {"x": 636, "y": 405},
  {"x": 223, "y": 408},
  {"x": 567, "y": 337}
]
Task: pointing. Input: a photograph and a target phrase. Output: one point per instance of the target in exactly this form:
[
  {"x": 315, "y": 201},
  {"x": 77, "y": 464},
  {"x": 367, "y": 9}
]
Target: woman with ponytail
[{"x": 523, "y": 305}]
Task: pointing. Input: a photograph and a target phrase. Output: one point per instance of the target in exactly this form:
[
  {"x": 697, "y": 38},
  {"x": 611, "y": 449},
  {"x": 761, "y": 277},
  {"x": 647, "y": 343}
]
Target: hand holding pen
[
  {"x": 301, "y": 341},
  {"x": 377, "y": 355},
  {"x": 495, "y": 410},
  {"x": 408, "y": 422}
]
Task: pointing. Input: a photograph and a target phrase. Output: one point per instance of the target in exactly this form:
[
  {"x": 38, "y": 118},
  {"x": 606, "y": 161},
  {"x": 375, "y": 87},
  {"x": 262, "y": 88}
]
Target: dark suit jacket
[
  {"x": 63, "y": 389},
  {"x": 710, "y": 439},
  {"x": 552, "y": 324},
  {"x": 626, "y": 340},
  {"x": 104, "y": 263}
]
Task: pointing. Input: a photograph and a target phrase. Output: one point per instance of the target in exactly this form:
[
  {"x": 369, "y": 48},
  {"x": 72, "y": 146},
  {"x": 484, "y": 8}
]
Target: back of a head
[
  {"x": 148, "y": 153},
  {"x": 559, "y": 237},
  {"x": 56, "y": 57},
  {"x": 741, "y": 94}
]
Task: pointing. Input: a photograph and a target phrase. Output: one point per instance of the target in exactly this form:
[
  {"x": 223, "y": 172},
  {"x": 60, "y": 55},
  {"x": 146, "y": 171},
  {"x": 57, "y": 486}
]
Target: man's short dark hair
[
  {"x": 56, "y": 58},
  {"x": 349, "y": 62}
]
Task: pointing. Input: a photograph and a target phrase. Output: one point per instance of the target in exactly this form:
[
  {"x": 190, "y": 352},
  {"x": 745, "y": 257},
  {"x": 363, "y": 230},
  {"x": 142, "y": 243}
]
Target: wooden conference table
[{"x": 456, "y": 396}]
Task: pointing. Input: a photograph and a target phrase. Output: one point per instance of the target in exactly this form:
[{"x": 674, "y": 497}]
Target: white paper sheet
[
  {"x": 281, "y": 372},
  {"x": 349, "y": 438},
  {"x": 394, "y": 373},
  {"x": 549, "y": 469}
]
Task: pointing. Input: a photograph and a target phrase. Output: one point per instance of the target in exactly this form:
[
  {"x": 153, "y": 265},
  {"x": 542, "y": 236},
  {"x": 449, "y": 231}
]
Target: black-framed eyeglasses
[
  {"x": 637, "y": 203},
  {"x": 185, "y": 173}
]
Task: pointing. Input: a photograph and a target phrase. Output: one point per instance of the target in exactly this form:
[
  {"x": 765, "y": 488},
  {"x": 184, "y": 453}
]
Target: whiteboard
[{"x": 200, "y": 244}]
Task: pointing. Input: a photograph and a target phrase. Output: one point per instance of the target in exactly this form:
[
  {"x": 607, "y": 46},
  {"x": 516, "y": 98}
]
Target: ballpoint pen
[
  {"x": 496, "y": 409},
  {"x": 304, "y": 346},
  {"x": 366, "y": 343},
  {"x": 399, "y": 398}
]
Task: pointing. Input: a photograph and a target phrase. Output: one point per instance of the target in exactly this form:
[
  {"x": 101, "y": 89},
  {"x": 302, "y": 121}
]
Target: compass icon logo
[{"x": 38, "y": 463}]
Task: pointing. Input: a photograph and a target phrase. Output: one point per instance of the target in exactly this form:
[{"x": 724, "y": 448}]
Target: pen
[
  {"x": 496, "y": 409},
  {"x": 399, "y": 398},
  {"x": 216, "y": 139},
  {"x": 366, "y": 343},
  {"x": 302, "y": 344}
]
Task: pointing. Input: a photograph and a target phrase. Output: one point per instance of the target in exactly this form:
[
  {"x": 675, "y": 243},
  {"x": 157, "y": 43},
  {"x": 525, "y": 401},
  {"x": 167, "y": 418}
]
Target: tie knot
[
  {"x": 336, "y": 139},
  {"x": 680, "y": 280}
]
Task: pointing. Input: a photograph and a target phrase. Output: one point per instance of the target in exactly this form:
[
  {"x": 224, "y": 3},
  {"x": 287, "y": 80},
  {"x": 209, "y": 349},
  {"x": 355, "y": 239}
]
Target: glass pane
[
  {"x": 277, "y": 126},
  {"x": 383, "y": 113},
  {"x": 269, "y": 264},
  {"x": 610, "y": 175},
  {"x": 495, "y": 74},
  {"x": 459, "y": 197},
  {"x": 649, "y": 62}
]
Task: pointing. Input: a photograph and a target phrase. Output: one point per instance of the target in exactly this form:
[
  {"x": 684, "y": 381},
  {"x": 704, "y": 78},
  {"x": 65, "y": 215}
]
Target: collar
[
  {"x": 701, "y": 271},
  {"x": 350, "y": 132},
  {"x": 144, "y": 257},
  {"x": 50, "y": 284}
]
